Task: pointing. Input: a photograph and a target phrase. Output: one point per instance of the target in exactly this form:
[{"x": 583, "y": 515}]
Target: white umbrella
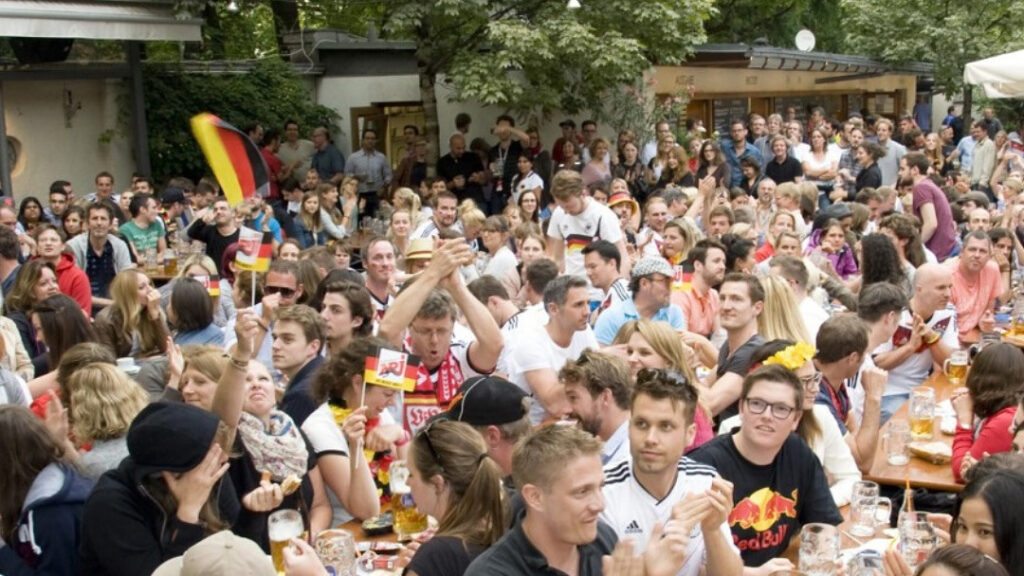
[{"x": 1001, "y": 76}]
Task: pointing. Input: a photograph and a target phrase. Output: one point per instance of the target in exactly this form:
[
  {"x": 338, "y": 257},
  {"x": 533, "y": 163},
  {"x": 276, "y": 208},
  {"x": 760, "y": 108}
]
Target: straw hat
[{"x": 420, "y": 249}]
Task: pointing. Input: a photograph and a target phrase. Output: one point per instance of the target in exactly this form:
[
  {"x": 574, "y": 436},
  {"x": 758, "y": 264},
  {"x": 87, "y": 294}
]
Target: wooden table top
[{"x": 922, "y": 474}]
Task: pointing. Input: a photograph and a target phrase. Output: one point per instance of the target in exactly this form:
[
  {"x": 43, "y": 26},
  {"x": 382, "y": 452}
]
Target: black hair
[{"x": 606, "y": 250}]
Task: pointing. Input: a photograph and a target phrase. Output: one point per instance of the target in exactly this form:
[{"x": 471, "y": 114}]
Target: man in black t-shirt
[
  {"x": 778, "y": 482},
  {"x": 782, "y": 167},
  {"x": 741, "y": 302}
]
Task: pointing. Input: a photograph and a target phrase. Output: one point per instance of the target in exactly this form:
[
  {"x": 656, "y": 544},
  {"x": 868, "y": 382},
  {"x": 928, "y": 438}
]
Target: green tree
[
  {"x": 535, "y": 56},
  {"x": 947, "y": 34},
  {"x": 745, "y": 21},
  {"x": 271, "y": 93}
]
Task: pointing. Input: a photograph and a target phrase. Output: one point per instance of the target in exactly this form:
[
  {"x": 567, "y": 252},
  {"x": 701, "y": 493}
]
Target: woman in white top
[
  {"x": 820, "y": 167},
  {"x": 795, "y": 135},
  {"x": 817, "y": 425},
  {"x": 526, "y": 179},
  {"x": 495, "y": 238}
]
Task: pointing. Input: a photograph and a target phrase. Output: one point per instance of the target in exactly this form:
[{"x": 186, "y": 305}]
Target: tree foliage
[
  {"x": 271, "y": 93},
  {"x": 744, "y": 21},
  {"x": 947, "y": 34}
]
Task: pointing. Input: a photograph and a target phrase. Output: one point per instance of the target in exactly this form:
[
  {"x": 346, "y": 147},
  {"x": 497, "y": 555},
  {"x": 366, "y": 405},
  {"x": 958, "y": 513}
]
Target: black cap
[
  {"x": 567, "y": 122},
  {"x": 488, "y": 401},
  {"x": 170, "y": 436},
  {"x": 172, "y": 195}
]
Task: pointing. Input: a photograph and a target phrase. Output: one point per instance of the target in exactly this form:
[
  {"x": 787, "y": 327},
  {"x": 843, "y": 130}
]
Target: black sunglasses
[
  {"x": 285, "y": 292},
  {"x": 672, "y": 376},
  {"x": 425, "y": 433}
]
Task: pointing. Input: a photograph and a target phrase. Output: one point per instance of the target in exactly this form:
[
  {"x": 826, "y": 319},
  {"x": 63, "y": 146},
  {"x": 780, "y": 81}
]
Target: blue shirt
[
  {"x": 612, "y": 319},
  {"x": 372, "y": 166},
  {"x": 328, "y": 162},
  {"x": 966, "y": 149},
  {"x": 212, "y": 335},
  {"x": 734, "y": 161}
]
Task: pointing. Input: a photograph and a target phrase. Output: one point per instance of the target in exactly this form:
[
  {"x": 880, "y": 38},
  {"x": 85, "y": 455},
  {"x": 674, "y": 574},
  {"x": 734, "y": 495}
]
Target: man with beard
[
  {"x": 659, "y": 483},
  {"x": 977, "y": 282},
  {"x": 597, "y": 389},
  {"x": 445, "y": 212},
  {"x": 700, "y": 304},
  {"x": 651, "y": 287}
]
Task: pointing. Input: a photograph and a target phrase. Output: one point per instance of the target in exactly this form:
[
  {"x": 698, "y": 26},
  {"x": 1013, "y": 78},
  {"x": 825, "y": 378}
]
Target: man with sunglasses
[
  {"x": 281, "y": 289},
  {"x": 659, "y": 484},
  {"x": 778, "y": 482},
  {"x": 651, "y": 286}
]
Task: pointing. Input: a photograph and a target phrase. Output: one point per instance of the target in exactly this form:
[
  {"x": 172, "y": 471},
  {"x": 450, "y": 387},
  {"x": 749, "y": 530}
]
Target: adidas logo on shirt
[{"x": 633, "y": 528}]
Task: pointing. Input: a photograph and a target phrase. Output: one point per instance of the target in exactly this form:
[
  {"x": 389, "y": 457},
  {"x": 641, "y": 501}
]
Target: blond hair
[
  {"x": 209, "y": 361},
  {"x": 104, "y": 401},
  {"x": 781, "y": 318},
  {"x": 541, "y": 458},
  {"x": 566, "y": 185}
]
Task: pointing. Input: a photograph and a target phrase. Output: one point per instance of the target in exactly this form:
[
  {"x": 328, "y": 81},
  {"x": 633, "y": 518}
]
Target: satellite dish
[{"x": 805, "y": 40}]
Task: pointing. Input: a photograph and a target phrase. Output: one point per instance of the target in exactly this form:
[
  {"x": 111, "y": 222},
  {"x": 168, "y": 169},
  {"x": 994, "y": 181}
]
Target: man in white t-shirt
[
  {"x": 656, "y": 216},
  {"x": 576, "y": 222},
  {"x": 597, "y": 387},
  {"x": 926, "y": 335},
  {"x": 602, "y": 259},
  {"x": 536, "y": 357},
  {"x": 445, "y": 213},
  {"x": 794, "y": 272},
  {"x": 660, "y": 485}
]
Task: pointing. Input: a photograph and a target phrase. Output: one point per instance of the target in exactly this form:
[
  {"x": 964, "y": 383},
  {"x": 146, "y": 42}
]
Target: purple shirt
[{"x": 943, "y": 240}]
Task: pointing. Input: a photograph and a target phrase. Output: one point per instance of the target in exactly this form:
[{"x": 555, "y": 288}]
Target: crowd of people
[{"x": 659, "y": 357}]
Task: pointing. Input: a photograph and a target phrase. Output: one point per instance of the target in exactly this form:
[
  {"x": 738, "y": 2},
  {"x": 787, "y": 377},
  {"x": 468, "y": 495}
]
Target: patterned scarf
[
  {"x": 279, "y": 450},
  {"x": 428, "y": 398}
]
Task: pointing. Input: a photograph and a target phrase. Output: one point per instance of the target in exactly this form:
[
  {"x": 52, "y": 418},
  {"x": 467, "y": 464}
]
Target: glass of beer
[
  {"x": 282, "y": 526},
  {"x": 922, "y": 413},
  {"x": 955, "y": 367},
  {"x": 819, "y": 549},
  {"x": 408, "y": 520},
  {"x": 894, "y": 442}
]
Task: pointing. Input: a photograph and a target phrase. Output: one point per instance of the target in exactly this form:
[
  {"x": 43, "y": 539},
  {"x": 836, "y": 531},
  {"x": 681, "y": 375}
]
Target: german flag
[
  {"x": 254, "y": 250},
  {"x": 233, "y": 156},
  {"x": 392, "y": 369}
]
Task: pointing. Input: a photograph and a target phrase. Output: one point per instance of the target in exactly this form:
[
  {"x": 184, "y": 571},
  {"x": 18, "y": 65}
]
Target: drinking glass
[
  {"x": 282, "y": 526},
  {"x": 894, "y": 442},
  {"x": 922, "y": 413},
  {"x": 337, "y": 552},
  {"x": 408, "y": 519},
  {"x": 955, "y": 367},
  {"x": 917, "y": 538},
  {"x": 866, "y": 508},
  {"x": 819, "y": 549}
]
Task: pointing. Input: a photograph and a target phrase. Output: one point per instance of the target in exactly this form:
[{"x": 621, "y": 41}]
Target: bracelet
[
  {"x": 240, "y": 364},
  {"x": 933, "y": 339},
  {"x": 263, "y": 324}
]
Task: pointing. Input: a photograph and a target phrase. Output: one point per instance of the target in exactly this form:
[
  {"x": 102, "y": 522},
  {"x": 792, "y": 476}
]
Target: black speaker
[{"x": 41, "y": 50}]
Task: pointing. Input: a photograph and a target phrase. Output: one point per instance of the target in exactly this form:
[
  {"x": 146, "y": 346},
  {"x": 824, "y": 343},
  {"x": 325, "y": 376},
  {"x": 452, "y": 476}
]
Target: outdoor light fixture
[
  {"x": 233, "y": 7},
  {"x": 573, "y": 4}
]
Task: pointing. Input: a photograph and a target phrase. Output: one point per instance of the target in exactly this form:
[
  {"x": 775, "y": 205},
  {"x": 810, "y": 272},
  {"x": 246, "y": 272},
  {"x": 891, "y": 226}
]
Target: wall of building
[{"x": 51, "y": 148}]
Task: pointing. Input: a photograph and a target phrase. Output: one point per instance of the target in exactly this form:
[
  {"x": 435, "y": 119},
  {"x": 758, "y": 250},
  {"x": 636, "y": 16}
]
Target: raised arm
[
  {"x": 484, "y": 352},
  {"x": 230, "y": 395},
  {"x": 448, "y": 257}
]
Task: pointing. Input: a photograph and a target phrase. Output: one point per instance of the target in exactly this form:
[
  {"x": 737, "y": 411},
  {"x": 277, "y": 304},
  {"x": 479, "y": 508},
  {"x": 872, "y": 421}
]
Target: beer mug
[
  {"x": 917, "y": 538},
  {"x": 282, "y": 526},
  {"x": 955, "y": 367},
  {"x": 408, "y": 520},
  {"x": 819, "y": 549},
  {"x": 867, "y": 509},
  {"x": 894, "y": 442},
  {"x": 922, "y": 413},
  {"x": 337, "y": 552}
]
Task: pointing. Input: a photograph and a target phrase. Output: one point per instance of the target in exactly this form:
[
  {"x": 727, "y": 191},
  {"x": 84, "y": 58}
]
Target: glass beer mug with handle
[
  {"x": 955, "y": 367},
  {"x": 407, "y": 519},
  {"x": 282, "y": 526},
  {"x": 922, "y": 413}
]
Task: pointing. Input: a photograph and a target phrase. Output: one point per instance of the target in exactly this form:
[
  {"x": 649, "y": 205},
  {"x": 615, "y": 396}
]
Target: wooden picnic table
[{"x": 922, "y": 474}]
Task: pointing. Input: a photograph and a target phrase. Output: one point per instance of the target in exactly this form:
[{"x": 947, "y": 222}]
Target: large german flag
[{"x": 233, "y": 156}]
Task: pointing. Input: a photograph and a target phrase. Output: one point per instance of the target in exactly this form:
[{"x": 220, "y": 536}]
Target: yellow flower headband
[{"x": 792, "y": 357}]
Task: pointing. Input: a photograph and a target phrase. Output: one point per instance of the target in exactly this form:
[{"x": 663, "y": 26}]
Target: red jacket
[
  {"x": 74, "y": 283},
  {"x": 993, "y": 437}
]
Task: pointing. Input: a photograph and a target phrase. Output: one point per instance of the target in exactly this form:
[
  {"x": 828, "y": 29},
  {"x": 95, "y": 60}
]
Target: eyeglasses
[
  {"x": 779, "y": 411},
  {"x": 284, "y": 292},
  {"x": 811, "y": 381}
]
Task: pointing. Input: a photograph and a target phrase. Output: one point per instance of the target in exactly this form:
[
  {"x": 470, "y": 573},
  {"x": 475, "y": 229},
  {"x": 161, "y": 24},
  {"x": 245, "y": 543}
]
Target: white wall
[{"x": 50, "y": 150}]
